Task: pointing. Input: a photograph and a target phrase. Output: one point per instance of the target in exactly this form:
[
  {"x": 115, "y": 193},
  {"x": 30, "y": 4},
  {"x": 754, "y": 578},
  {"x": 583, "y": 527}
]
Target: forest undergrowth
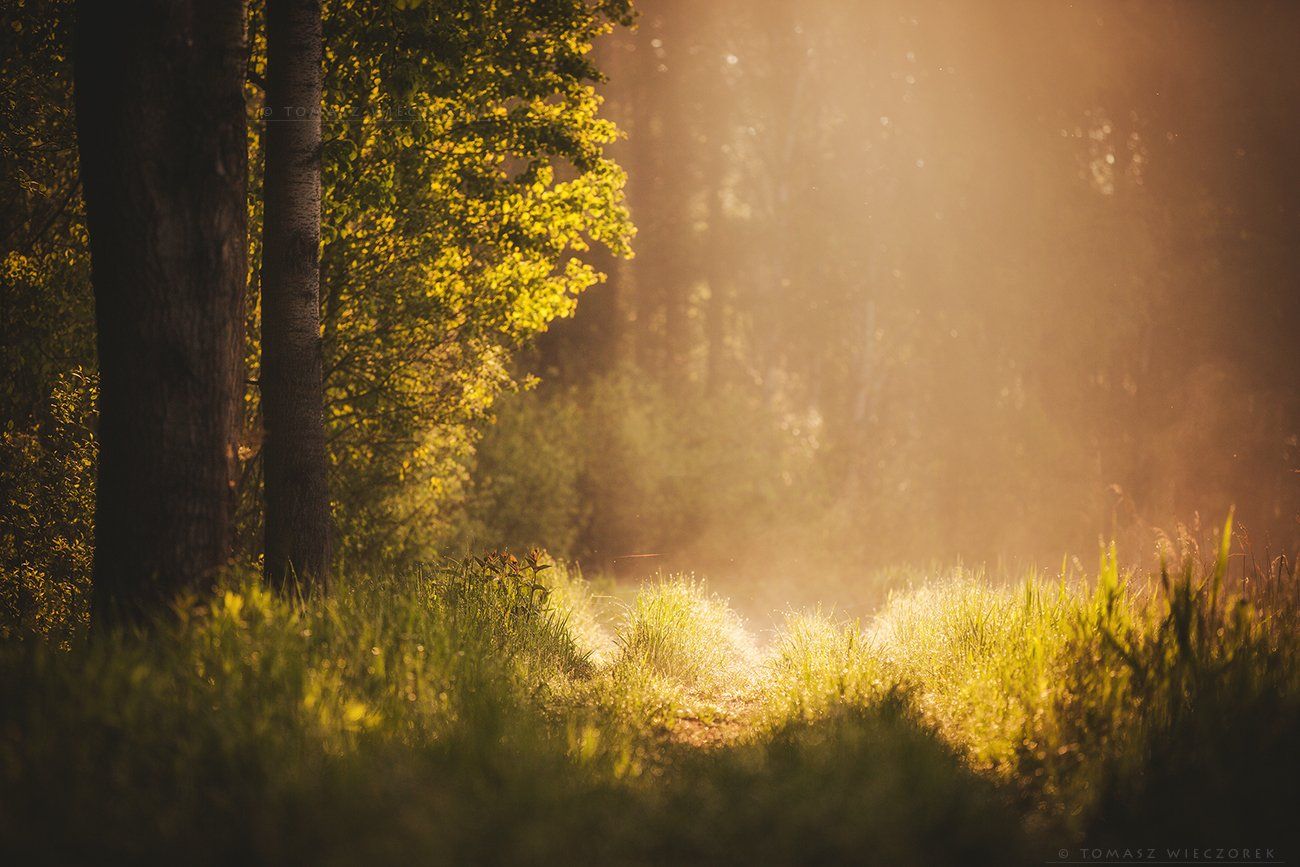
[{"x": 495, "y": 710}]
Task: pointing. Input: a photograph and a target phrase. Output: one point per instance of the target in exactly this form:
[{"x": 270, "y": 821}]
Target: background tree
[
  {"x": 464, "y": 183},
  {"x": 162, "y": 136},
  {"x": 297, "y": 536}
]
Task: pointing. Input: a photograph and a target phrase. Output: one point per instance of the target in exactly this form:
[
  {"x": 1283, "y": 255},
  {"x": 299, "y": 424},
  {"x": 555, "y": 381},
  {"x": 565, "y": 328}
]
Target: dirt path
[{"x": 718, "y": 723}]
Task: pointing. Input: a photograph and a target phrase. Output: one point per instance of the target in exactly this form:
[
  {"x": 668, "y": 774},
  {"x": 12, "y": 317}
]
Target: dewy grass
[
  {"x": 817, "y": 663},
  {"x": 979, "y": 657},
  {"x": 478, "y": 711},
  {"x": 679, "y": 631}
]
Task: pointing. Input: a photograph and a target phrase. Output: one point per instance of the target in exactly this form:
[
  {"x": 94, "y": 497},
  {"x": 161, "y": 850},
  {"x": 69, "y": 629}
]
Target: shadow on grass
[{"x": 861, "y": 785}]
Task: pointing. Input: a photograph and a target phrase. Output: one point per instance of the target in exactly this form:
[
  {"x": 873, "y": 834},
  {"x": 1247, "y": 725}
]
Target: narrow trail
[{"x": 722, "y": 722}]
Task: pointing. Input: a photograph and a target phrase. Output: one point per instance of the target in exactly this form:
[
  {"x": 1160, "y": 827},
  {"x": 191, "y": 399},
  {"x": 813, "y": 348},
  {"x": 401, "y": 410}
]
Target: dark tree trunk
[
  {"x": 163, "y": 142},
  {"x": 297, "y": 499}
]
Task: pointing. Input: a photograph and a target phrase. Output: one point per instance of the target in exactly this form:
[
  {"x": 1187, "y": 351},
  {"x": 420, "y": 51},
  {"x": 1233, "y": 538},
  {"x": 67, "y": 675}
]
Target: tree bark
[
  {"x": 297, "y": 497},
  {"x": 163, "y": 148}
]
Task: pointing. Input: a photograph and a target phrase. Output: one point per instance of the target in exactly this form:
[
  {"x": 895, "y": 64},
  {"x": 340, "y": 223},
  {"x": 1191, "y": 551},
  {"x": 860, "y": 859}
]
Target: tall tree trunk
[
  {"x": 163, "y": 144},
  {"x": 720, "y": 291},
  {"x": 297, "y": 499}
]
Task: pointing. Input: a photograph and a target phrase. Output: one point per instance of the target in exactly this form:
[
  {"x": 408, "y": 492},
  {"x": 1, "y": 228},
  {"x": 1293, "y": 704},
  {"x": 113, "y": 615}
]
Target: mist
[{"x": 931, "y": 281}]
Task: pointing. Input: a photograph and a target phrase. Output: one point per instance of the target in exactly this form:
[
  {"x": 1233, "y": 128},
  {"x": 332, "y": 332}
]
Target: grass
[
  {"x": 675, "y": 630},
  {"x": 484, "y": 712}
]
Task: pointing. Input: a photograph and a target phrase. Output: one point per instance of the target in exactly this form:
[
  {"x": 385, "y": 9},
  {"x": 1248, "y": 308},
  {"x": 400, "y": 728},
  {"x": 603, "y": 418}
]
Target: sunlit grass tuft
[
  {"x": 816, "y": 663},
  {"x": 979, "y": 657},
  {"x": 682, "y": 633}
]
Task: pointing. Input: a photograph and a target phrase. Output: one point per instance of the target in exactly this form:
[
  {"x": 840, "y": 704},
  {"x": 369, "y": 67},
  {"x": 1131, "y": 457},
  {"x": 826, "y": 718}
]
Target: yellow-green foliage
[
  {"x": 466, "y": 187},
  {"x": 462, "y": 202}
]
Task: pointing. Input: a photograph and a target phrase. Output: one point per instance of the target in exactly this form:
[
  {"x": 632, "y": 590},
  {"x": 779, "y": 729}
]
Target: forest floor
[{"x": 463, "y": 717}]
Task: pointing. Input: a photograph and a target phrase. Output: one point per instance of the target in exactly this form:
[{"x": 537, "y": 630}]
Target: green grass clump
[
  {"x": 680, "y": 632},
  {"x": 1121, "y": 709},
  {"x": 677, "y": 651},
  {"x": 816, "y": 664},
  {"x": 981, "y": 658},
  {"x": 1178, "y": 708}
]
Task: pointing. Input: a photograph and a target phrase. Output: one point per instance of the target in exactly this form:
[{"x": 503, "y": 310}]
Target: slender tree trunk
[
  {"x": 297, "y": 499},
  {"x": 715, "y": 328},
  {"x": 163, "y": 143}
]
